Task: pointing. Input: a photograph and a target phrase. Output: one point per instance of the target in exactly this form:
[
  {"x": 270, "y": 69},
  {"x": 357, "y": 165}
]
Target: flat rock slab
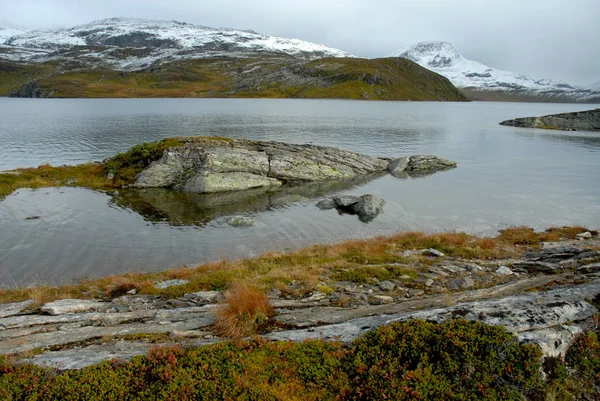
[
  {"x": 549, "y": 319},
  {"x": 64, "y": 306},
  {"x": 14, "y": 308}
]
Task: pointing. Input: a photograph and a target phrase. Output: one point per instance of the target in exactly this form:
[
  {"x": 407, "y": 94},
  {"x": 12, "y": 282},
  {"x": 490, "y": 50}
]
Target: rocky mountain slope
[
  {"x": 258, "y": 76},
  {"x": 120, "y": 57},
  {"x": 482, "y": 82},
  {"x": 133, "y": 44}
]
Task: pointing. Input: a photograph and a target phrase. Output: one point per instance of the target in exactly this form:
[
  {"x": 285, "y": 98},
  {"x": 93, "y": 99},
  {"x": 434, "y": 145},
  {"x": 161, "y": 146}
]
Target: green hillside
[{"x": 265, "y": 77}]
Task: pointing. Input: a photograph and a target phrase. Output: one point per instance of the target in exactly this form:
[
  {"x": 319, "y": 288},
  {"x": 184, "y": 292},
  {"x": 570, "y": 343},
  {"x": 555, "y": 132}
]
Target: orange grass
[
  {"x": 310, "y": 268},
  {"x": 244, "y": 310}
]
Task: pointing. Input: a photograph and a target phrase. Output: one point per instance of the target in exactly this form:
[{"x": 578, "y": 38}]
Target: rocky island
[{"x": 588, "y": 120}]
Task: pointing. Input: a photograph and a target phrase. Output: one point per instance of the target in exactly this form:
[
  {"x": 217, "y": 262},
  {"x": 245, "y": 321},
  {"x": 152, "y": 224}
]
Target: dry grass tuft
[
  {"x": 243, "y": 312},
  {"x": 519, "y": 236}
]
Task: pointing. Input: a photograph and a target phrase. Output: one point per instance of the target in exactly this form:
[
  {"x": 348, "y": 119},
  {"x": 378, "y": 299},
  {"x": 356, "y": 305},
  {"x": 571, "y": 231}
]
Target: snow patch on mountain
[
  {"x": 6, "y": 33},
  {"x": 158, "y": 39},
  {"x": 595, "y": 85},
  {"x": 443, "y": 58}
]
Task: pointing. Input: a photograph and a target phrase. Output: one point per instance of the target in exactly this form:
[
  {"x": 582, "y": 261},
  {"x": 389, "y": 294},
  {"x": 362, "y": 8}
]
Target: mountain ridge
[
  {"x": 483, "y": 82},
  {"x": 134, "y": 44}
]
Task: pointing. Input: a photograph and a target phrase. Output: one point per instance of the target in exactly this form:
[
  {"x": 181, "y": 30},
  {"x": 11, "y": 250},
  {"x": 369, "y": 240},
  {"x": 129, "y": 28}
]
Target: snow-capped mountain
[
  {"x": 149, "y": 41},
  {"x": 6, "y": 33},
  {"x": 482, "y": 81},
  {"x": 595, "y": 85}
]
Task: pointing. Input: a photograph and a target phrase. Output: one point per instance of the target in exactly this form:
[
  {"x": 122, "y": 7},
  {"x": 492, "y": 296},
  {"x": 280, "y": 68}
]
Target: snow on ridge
[
  {"x": 132, "y": 32},
  {"x": 443, "y": 58}
]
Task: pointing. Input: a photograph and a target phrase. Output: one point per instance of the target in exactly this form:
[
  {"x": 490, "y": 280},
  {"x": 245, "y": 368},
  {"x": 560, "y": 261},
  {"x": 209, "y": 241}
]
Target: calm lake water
[{"x": 505, "y": 176}]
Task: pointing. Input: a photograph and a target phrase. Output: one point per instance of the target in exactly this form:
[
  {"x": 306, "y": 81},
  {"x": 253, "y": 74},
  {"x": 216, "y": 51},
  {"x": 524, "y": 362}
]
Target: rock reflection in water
[{"x": 179, "y": 208}]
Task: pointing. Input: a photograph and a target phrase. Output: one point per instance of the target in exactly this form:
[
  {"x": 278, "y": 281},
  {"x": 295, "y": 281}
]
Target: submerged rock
[
  {"x": 588, "y": 120},
  {"x": 418, "y": 166},
  {"x": 366, "y": 207},
  {"x": 240, "y": 221}
]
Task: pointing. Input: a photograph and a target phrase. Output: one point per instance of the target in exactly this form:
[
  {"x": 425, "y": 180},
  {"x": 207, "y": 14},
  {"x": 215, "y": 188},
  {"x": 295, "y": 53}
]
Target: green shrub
[{"x": 457, "y": 360}]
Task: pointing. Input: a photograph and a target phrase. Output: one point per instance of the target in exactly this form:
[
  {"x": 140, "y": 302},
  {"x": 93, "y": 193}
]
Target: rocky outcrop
[
  {"x": 578, "y": 121},
  {"x": 210, "y": 165},
  {"x": 366, "y": 207},
  {"x": 419, "y": 166}
]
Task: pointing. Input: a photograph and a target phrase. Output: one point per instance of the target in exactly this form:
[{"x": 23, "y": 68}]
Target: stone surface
[
  {"x": 65, "y": 306},
  {"x": 548, "y": 319},
  {"x": 14, "y": 308},
  {"x": 420, "y": 165},
  {"x": 504, "y": 271},
  {"x": 326, "y": 204},
  {"x": 368, "y": 207},
  {"x": 586, "y": 234},
  {"x": 582, "y": 120},
  {"x": 207, "y": 165},
  {"x": 240, "y": 221},
  {"x": 345, "y": 201},
  {"x": 386, "y": 285},
  {"x": 169, "y": 283}
]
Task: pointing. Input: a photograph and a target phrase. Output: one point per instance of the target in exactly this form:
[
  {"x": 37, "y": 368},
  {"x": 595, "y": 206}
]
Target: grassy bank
[
  {"x": 222, "y": 77},
  {"x": 416, "y": 360},
  {"x": 312, "y": 269},
  {"x": 114, "y": 173}
]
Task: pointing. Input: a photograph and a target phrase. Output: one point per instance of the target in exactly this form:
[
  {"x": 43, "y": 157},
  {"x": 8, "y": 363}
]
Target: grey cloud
[{"x": 554, "y": 39}]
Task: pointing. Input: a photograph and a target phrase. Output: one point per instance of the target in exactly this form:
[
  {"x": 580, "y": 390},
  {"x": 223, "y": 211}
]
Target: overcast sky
[{"x": 556, "y": 39}]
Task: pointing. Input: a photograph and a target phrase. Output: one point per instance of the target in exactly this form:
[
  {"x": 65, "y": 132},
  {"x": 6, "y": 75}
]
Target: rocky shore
[
  {"x": 578, "y": 121},
  {"x": 546, "y": 296}
]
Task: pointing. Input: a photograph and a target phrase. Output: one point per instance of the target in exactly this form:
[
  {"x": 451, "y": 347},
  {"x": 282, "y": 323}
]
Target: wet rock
[
  {"x": 368, "y": 207},
  {"x": 504, "y": 271},
  {"x": 162, "y": 285},
  {"x": 418, "y": 166},
  {"x": 326, "y": 204},
  {"x": 240, "y": 221},
  {"x": 15, "y": 308},
  {"x": 345, "y": 201},
  {"x": 65, "y": 306},
  {"x": 560, "y": 254}
]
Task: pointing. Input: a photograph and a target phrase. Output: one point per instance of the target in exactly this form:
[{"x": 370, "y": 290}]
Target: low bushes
[{"x": 416, "y": 360}]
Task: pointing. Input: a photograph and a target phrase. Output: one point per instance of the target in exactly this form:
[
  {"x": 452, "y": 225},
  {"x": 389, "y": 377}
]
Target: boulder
[
  {"x": 240, "y": 221},
  {"x": 368, "y": 207},
  {"x": 418, "y": 166},
  {"x": 207, "y": 165}
]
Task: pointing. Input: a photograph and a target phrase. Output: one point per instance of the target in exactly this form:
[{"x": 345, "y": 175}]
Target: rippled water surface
[{"x": 506, "y": 176}]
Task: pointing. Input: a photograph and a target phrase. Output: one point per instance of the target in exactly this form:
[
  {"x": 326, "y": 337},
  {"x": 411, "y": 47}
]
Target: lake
[{"x": 506, "y": 176}]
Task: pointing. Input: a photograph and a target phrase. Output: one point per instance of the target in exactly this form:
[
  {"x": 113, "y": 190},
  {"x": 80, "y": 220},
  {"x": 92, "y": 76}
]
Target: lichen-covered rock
[
  {"x": 205, "y": 165},
  {"x": 240, "y": 221},
  {"x": 417, "y": 166},
  {"x": 588, "y": 120},
  {"x": 208, "y": 182}
]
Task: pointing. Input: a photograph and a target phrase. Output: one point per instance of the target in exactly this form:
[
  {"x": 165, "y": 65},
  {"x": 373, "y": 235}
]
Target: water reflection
[{"x": 190, "y": 209}]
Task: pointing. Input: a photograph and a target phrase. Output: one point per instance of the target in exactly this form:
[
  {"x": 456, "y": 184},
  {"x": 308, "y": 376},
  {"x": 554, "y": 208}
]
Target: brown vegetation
[
  {"x": 243, "y": 312},
  {"x": 313, "y": 268}
]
